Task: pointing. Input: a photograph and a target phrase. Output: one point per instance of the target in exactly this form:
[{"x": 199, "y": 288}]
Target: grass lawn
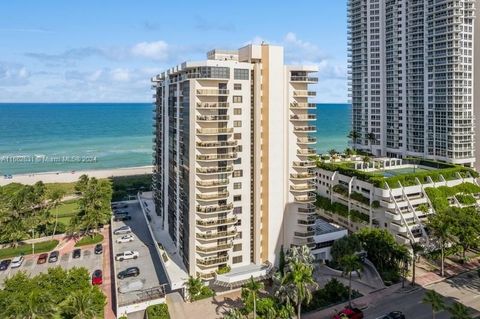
[
  {"x": 26, "y": 249},
  {"x": 68, "y": 188},
  {"x": 90, "y": 240},
  {"x": 66, "y": 211}
]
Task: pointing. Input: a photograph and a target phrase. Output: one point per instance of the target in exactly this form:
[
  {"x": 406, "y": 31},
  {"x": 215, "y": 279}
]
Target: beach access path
[{"x": 73, "y": 176}]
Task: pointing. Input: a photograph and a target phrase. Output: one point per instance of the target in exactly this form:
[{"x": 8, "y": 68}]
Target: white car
[
  {"x": 122, "y": 230},
  {"x": 125, "y": 239},
  {"x": 129, "y": 254},
  {"x": 17, "y": 262}
]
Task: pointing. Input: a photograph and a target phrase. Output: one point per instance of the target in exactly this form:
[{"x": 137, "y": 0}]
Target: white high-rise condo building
[
  {"x": 411, "y": 78},
  {"x": 232, "y": 177}
]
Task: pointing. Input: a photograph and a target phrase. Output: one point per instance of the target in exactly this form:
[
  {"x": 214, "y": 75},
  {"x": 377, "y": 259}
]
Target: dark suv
[
  {"x": 129, "y": 272},
  {"x": 53, "y": 256},
  {"x": 122, "y": 218}
]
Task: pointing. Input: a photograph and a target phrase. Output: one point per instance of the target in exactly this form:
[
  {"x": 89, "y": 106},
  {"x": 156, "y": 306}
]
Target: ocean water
[{"x": 65, "y": 137}]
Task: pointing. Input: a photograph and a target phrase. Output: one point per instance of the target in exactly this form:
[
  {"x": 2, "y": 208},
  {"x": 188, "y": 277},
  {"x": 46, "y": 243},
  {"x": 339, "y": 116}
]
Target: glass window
[
  {"x": 237, "y": 247},
  {"x": 237, "y": 123},
  {"x": 237, "y": 86},
  {"x": 237, "y": 111},
  {"x": 238, "y": 173},
  {"x": 241, "y": 74},
  {"x": 237, "y": 185},
  {"x": 237, "y": 99},
  {"x": 237, "y": 210},
  {"x": 237, "y": 198},
  {"x": 237, "y": 259},
  {"x": 237, "y": 136}
]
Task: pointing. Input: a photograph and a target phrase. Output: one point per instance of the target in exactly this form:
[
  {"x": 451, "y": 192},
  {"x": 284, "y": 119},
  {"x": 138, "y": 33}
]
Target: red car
[
  {"x": 97, "y": 278},
  {"x": 42, "y": 259},
  {"x": 349, "y": 313}
]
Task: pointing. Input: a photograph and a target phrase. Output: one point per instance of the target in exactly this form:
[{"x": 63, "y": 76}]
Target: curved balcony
[
  {"x": 214, "y": 131},
  {"x": 307, "y": 152},
  {"x": 212, "y": 261},
  {"x": 217, "y": 235},
  {"x": 304, "y": 93},
  {"x": 213, "y": 222},
  {"x": 216, "y": 144},
  {"x": 304, "y": 129},
  {"x": 302, "y": 176},
  {"x": 217, "y": 157},
  {"x": 303, "y": 79},
  {"x": 307, "y": 211},
  {"x": 309, "y": 187},
  {"x": 307, "y": 140},
  {"x": 308, "y": 106},
  {"x": 212, "y": 118},
  {"x": 213, "y": 249},
  {"x": 214, "y": 170},
  {"x": 304, "y": 164},
  {"x": 311, "y": 198},
  {"x": 212, "y": 105},
  {"x": 213, "y": 196},
  {"x": 213, "y": 183},
  {"x": 301, "y": 118},
  {"x": 304, "y": 234},
  {"x": 214, "y": 209},
  {"x": 306, "y": 222},
  {"x": 212, "y": 92}
]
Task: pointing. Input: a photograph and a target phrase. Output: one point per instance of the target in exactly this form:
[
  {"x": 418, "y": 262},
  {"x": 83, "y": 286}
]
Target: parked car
[
  {"x": 97, "y": 277},
  {"x": 98, "y": 249},
  {"x": 42, "y": 259},
  {"x": 4, "y": 264},
  {"x": 149, "y": 217},
  {"x": 350, "y": 313},
  {"x": 17, "y": 262},
  {"x": 129, "y": 254},
  {"x": 129, "y": 272},
  {"x": 120, "y": 213},
  {"x": 125, "y": 239},
  {"x": 393, "y": 315},
  {"x": 77, "y": 253},
  {"x": 53, "y": 257},
  {"x": 122, "y": 218},
  {"x": 119, "y": 205},
  {"x": 122, "y": 230}
]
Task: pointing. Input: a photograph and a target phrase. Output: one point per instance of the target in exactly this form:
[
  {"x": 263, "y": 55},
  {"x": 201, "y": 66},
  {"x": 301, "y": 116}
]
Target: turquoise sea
[{"x": 64, "y": 137}]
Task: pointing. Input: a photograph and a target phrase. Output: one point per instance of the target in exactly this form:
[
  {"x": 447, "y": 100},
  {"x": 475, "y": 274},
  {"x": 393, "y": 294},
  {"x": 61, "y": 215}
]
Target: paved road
[{"x": 464, "y": 288}]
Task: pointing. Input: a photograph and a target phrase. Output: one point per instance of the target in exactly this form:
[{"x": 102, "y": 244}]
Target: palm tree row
[{"x": 436, "y": 302}]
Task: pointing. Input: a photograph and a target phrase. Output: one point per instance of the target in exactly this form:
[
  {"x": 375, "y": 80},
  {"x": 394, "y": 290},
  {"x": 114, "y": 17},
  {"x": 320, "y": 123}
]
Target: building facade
[
  {"x": 232, "y": 177},
  {"x": 411, "y": 78}
]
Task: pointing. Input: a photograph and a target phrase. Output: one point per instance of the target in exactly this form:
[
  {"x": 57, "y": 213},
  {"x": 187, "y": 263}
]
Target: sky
[{"x": 107, "y": 51}]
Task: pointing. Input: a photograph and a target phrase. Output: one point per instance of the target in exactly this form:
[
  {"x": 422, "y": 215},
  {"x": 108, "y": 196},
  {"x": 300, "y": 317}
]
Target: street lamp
[{"x": 33, "y": 242}]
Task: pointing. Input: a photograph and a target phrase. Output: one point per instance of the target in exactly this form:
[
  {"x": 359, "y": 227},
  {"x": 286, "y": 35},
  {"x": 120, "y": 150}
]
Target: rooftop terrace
[{"x": 384, "y": 172}]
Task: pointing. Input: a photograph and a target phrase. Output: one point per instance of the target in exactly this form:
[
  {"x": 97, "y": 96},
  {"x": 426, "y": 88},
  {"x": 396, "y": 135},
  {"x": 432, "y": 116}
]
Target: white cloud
[
  {"x": 157, "y": 50},
  {"x": 12, "y": 74},
  {"x": 120, "y": 75}
]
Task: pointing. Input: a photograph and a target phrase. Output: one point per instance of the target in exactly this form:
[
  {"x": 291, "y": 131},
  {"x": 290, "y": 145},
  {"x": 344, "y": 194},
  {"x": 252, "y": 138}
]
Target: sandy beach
[{"x": 72, "y": 176}]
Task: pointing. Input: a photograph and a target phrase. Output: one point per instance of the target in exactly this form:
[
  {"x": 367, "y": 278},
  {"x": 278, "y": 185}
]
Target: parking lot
[
  {"x": 87, "y": 259},
  {"x": 152, "y": 275}
]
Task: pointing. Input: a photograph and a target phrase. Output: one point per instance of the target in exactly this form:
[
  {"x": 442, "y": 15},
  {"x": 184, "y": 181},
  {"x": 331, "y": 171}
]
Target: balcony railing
[
  {"x": 305, "y": 164},
  {"x": 212, "y": 92},
  {"x": 213, "y": 117},
  {"x": 306, "y": 117},
  {"x": 302, "y": 210},
  {"x": 214, "y": 170},
  {"x": 216, "y": 235},
  {"x": 216, "y": 221},
  {"x": 213, "y": 105},
  {"x": 303, "y": 187},
  {"x": 213, "y": 183},
  {"x": 307, "y": 152},
  {"x": 305, "y": 129},
  {"x": 305, "y": 198},
  {"x": 213, "y": 196},
  {"x": 211, "y": 249},
  {"x": 307, "y": 140},
  {"x": 214, "y": 208},
  {"x": 216, "y": 144},
  {"x": 212, "y": 261},
  {"x": 304, "y": 235},
  {"x": 214, "y": 131},
  {"x": 217, "y": 157},
  {"x": 302, "y": 176},
  {"x": 303, "y": 93},
  {"x": 307, "y": 79},
  {"x": 296, "y": 105}
]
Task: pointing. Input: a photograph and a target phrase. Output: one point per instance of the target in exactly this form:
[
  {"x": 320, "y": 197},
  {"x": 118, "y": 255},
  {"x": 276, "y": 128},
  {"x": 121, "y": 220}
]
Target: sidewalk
[{"x": 425, "y": 278}]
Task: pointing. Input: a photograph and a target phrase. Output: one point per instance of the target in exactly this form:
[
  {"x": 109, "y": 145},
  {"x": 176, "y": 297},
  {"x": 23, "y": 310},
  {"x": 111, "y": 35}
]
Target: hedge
[
  {"x": 340, "y": 209},
  {"x": 90, "y": 240},
  {"x": 26, "y": 249},
  {"x": 439, "y": 196}
]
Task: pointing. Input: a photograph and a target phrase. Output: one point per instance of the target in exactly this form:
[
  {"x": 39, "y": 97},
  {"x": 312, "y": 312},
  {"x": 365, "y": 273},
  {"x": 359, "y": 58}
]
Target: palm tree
[
  {"x": 234, "y": 314},
  {"x": 300, "y": 277},
  {"x": 434, "y": 299},
  {"x": 416, "y": 250},
  {"x": 459, "y": 311},
  {"x": 194, "y": 287},
  {"x": 300, "y": 254},
  {"x": 83, "y": 304},
  {"x": 332, "y": 152},
  {"x": 55, "y": 200},
  {"x": 354, "y": 136},
  {"x": 40, "y": 305},
  {"x": 372, "y": 138},
  {"x": 440, "y": 229},
  {"x": 366, "y": 160},
  {"x": 350, "y": 263},
  {"x": 251, "y": 289}
]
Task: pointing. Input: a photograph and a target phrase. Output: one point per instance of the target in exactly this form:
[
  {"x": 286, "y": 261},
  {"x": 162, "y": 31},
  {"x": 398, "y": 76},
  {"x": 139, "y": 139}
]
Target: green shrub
[
  {"x": 90, "y": 240},
  {"x": 439, "y": 196},
  {"x": 466, "y": 199},
  {"x": 360, "y": 198},
  {"x": 26, "y": 249},
  {"x": 224, "y": 270},
  {"x": 333, "y": 293},
  {"x": 340, "y": 209},
  {"x": 158, "y": 312}
]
